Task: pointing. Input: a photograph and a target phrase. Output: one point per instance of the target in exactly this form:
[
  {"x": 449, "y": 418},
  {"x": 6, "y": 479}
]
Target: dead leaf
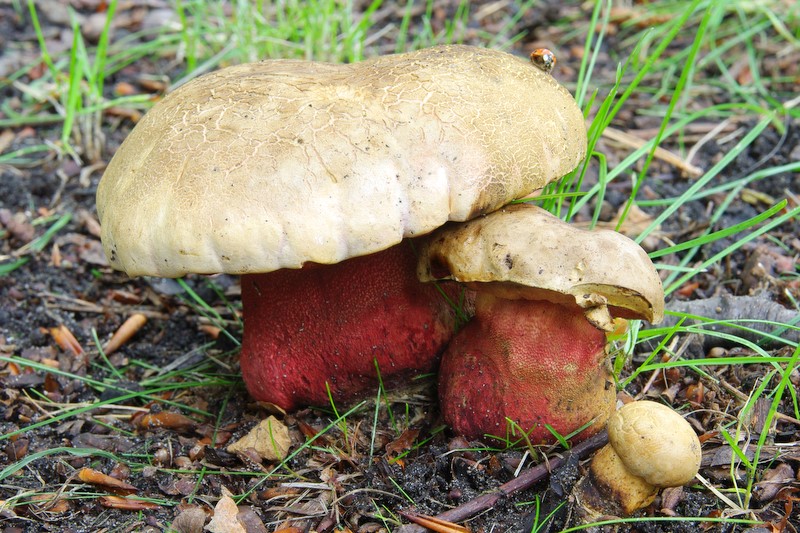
[
  {"x": 224, "y": 519},
  {"x": 111, "y": 443},
  {"x": 270, "y": 439},
  {"x": 190, "y": 520},
  {"x": 251, "y": 521},
  {"x": 695, "y": 393},
  {"x": 6, "y": 138},
  {"x": 687, "y": 289},
  {"x": 50, "y": 502},
  {"x": 7, "y": 510},
  {"x": 402, "y": 443},
  {"x": 636, "y": 221},
  {"x": 94, "y": 477},
  {"x": 153, "y": 86},
  {"x": 131, "y": 114},
  {"x": 17, "y": 448},
  {"x": 17, "y": 225},
  {"x": 639, "y": 16},
  {"x": 124, "y": 88},
  {"x": 277, "y": 492},
  {"x": 211, "y": 331},
  {"x": 772, "y": 482},
  {"x": 745, "y": 76},
  {"x": 310, "y": 432},
  {"x": 91, "y": 252},
  {"x": 125, "y": 297}
]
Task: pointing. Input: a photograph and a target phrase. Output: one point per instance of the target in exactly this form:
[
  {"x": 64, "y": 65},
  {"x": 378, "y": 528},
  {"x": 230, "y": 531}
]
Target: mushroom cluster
[{"x": 313, "y": 181}]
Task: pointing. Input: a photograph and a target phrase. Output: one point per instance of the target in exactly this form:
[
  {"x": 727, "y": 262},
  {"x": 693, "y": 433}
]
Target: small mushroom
[
  {"x": 650, "y": 447},
  {"x": 305, "y": 177},
  {"x": 546, "y": 294}
]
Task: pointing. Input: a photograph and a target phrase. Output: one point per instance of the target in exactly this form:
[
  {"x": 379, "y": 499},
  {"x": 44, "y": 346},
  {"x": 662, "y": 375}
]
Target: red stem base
[
  {"x": 533, "y": 362},
  {"x": 332, "y": 323}
]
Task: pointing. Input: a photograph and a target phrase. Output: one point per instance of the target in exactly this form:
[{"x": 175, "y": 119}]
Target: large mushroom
[
  {"x": 305, "y": 177},
  {"x": 546, "y": 294}
]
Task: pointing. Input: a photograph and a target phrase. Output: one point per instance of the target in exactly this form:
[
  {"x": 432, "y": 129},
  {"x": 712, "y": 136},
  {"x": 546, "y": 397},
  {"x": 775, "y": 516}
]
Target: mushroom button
[
  {"x": 545, "y": 296},
  {"x": 650, "y": 447},
  {"x": 305, "y": 177}
]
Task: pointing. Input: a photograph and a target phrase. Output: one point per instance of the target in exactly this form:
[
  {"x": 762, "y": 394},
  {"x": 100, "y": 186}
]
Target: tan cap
[
  {"x": 522, "y": 251},
  {"x": 650, "y": 447},
  {"x": 655, "y": 443},
  {"x": 274, "y": 164}
]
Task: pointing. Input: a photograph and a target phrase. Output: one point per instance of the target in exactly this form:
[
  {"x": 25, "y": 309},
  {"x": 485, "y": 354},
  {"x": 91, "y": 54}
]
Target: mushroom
[
  {"x": 650, "y": 447},
  {"x": 305, "y": 177},
  {"x": 546, "y": 294}
]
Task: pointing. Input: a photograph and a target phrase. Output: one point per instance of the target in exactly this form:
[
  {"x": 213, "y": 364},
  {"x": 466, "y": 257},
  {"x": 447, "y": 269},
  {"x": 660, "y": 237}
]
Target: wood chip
[
  {"x": 435, "y": 524},
  {"x": 66, "y": 340},
  {"x": 167, "y": 420},
  {"x": 127, "y": 330},
  {"x": 95, "y": 477},
  {"x": 125, "y": 504}
]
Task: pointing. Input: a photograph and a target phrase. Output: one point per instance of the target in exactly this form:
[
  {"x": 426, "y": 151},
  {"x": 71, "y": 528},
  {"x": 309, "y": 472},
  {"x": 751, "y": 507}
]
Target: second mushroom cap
[{"x": 524, "y": 252}]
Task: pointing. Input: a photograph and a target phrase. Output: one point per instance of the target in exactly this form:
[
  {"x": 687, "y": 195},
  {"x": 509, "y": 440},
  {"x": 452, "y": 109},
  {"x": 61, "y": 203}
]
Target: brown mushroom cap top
[
  {"x": 522, "y": 251},
  {"x": 269, "y": 165},
  {"x": 655, "y": 443}
]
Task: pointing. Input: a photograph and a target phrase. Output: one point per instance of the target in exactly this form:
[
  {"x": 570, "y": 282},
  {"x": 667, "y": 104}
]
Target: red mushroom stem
[
  {"x": 331, "y": 323},
  {"x": 535, "y": 362}
]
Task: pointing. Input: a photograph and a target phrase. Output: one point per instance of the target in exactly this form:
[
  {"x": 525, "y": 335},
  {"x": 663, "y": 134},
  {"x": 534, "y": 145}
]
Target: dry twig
[{"x": 522, "y": 482}]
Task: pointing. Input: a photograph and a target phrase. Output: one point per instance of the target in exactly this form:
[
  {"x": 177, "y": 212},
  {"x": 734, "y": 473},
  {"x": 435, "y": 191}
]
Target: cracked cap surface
[
  {"x": 274, "y": 164},
  {"x": 522, "y": 251}
]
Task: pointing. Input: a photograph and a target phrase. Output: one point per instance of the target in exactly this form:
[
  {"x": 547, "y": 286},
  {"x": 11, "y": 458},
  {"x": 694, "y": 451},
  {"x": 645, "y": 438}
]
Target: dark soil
[{"x": 182, "y": 465}]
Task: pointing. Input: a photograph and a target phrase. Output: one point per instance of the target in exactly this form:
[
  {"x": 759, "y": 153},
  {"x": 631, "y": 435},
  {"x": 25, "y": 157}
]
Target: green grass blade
[{"x": 77, "y": 452}]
